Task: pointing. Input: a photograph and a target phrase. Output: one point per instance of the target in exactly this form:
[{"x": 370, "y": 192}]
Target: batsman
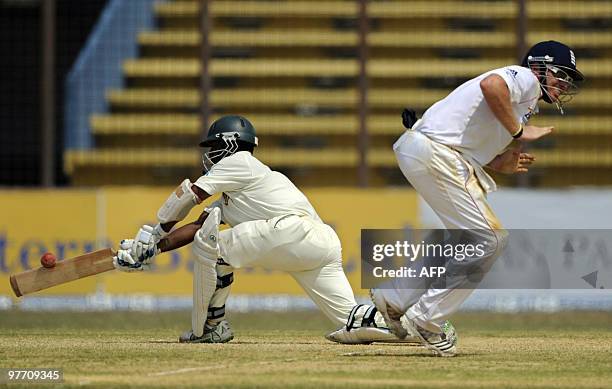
[{"x": 272, "y": 225}]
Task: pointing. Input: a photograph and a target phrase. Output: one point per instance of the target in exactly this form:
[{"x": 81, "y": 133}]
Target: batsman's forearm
[
  {"x": 178, "y": 238},
  {"x": 167, "y": 226}
]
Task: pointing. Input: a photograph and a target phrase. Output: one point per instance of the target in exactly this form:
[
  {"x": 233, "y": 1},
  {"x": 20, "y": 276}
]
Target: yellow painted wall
[{"x": 70, "y": 222}]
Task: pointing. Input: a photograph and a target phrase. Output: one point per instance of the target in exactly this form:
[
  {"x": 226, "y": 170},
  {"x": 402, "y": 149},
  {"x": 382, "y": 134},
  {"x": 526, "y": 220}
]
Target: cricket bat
[{"x": 64, "y": 271}]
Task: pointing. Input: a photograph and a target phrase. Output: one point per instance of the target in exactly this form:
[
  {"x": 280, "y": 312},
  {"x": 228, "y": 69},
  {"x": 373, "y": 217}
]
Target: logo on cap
[{"x": 572, "y": 58}]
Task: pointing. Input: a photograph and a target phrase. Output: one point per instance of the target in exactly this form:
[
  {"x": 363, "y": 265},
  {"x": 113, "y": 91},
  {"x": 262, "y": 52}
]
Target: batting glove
[
  {"x": 144, "y": 246},
  {"x": 124, "y": 261},
  {"x": 126, "y": 244}
]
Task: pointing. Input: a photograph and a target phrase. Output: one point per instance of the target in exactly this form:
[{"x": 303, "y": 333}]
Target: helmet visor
[
  {"x": 564, "y": 83},
  {"x": 558, "y": 82},
  {"x": 211, "y": 155}
]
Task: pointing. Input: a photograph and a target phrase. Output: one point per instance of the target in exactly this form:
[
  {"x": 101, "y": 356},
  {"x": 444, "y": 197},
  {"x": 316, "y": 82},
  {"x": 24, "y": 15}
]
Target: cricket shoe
[
  {"x": 450, "y": 332},
  {"x": 220, "y": 333},
  {"x": 391, "y": 315},
  {"x": 443, "y": 344}
]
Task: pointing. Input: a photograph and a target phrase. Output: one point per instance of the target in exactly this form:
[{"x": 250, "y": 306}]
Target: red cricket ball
[{"x": 48, "y": 260}]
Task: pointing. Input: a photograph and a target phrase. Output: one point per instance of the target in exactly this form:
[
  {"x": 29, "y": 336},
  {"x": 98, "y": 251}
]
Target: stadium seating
[{"x": 292, "y": 68}]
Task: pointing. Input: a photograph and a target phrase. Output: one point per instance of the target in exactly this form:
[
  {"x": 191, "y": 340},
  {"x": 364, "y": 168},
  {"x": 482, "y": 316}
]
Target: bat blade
[{"x": 85, "y": 265}]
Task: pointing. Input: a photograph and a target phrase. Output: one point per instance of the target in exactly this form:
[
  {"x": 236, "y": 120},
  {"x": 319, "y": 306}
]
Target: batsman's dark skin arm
[{"x": 184, "y": 235}]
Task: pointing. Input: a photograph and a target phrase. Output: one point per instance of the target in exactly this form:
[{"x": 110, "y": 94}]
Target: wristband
[
  {"x": 158, "y": 230},
  {"x": 519, "y": 133}
]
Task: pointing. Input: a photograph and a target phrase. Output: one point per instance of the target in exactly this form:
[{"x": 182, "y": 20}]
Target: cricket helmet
[
  {"x": 558, "y": 60},
  {"x": 226, "y": 136}
]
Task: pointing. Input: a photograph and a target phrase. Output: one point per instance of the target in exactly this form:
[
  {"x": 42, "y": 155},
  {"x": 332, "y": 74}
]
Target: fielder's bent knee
[{"x": 493, "y": 242}]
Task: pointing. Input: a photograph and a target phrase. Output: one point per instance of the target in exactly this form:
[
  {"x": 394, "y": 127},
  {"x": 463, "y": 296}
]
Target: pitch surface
[{"x": 121, "y": 350}]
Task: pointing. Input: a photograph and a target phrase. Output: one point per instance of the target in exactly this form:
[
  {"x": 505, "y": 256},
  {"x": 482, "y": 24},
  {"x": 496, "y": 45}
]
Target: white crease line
[
  {"x": 162, "y": 373},
  {"x": 204, "y": 368}
]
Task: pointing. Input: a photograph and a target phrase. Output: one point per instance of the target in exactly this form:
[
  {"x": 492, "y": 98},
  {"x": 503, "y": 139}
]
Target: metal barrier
[{"x": 99, "y": 66}]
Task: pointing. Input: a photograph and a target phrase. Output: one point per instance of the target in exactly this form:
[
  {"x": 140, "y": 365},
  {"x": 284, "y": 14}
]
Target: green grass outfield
[{"x": 139, "y": 350}]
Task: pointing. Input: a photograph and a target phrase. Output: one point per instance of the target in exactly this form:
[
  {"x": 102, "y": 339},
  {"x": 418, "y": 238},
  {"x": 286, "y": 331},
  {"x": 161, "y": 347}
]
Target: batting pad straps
[
  {"x": 361, "y": 316},
  {"x": 215, "y": 313},
  {"x": 225, "y": 278},
  {"x": 225, "y": 281},
  {"x": 178, "y": 204},
  {"x": 369, "y": 317},
  {"x": 351, "y": 319}
]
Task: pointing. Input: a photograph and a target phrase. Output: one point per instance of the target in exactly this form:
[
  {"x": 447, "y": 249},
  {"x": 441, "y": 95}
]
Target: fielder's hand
[
  {"x": 512, "y": 161},
  {"x": 124, "y": 261},
  {"x": 144, "y": 246},
  {"x": 532, "y": 133}
]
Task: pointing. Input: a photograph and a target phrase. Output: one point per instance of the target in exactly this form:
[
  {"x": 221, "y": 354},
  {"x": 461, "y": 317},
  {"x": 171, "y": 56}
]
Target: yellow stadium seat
[
  {"x": 324, "y": 38},
  {"x": 266, "y": 124},
  {"x": 392, "y": 9},
  {"x": 139, "y": 124},
  {"x": 260, "y": 8},
  {"x": 280, "y": 38},
  {"x": 569, "y": 9},
  {"x": 168, "y": 157},
  {"x": 442, "y": 9}
]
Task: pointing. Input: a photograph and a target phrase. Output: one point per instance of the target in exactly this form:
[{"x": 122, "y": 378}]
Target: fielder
[
  {"x": 273, "y": 225},
  {"x": 443, "y": 156}
]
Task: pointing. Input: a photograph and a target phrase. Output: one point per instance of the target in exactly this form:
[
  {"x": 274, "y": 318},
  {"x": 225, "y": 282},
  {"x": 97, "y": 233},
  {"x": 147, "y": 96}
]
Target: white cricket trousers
[
  {"x": 447, "y": 182},
  {"x": 307, "y": 249}
]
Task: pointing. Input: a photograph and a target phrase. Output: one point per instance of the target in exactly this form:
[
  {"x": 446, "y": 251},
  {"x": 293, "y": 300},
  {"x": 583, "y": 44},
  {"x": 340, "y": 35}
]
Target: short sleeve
[
  {"x": 230, "y": 174},
  {"x": 511, "y": 76}
]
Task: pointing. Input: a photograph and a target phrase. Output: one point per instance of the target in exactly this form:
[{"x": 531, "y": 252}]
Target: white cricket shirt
[
  {"x": 464, "y": 121},
  {"x": 252, "y": 191}
]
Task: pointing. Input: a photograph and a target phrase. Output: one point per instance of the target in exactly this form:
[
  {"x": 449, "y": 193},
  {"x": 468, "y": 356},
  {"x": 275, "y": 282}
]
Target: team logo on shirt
[
  {"x": 512, "y": 72},
  {"x": 225, "y": 199}
]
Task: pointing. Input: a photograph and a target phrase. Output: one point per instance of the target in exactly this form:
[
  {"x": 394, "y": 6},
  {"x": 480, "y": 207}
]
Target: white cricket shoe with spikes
[
  {"x": 442, "y": 344},
  {"x": 220, "y": 333}
]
